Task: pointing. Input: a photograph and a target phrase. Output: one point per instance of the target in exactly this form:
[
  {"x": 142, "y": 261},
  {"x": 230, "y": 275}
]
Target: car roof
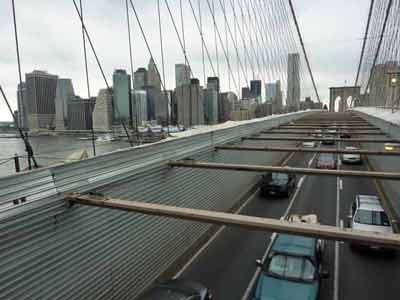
[
  {"x": 369, "y": 202},
  {"x": 351, "y": 148},
  {"x": 294, "y": 245}
]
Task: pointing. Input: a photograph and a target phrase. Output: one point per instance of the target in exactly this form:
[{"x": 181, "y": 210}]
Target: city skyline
[{"x": 58, "y": 57}]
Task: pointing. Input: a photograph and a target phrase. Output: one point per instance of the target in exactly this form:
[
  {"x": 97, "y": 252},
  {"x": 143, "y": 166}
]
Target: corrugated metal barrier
[{"x": 51, "y": 251}]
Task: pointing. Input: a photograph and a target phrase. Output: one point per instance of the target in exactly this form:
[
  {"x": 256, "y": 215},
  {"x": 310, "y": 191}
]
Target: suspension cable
[{"x": 101, "y": 69}]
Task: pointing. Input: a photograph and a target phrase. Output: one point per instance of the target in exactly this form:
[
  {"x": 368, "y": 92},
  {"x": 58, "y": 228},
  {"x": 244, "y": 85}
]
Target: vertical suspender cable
[
  {"x": 87, "y": 77},
  {"x": 215, "y": 39},
  {"x": 162, "y": 58},
  {"x": 100, "y": 66},
  {"x": 304, "y": 49},
  {"x": 132, "y": 72},
  {"x": 28, "y": 147},
  {"x": 202, "y": 42}
]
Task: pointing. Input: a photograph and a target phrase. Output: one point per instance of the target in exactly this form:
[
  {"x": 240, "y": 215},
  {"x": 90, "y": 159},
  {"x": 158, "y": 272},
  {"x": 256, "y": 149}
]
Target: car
[
  {"x": 367, "y": 214},
  {"x": 329, "y": 140},
  {"x": 277, "y": 184},
  {"x": 294, "y": 266},
  {"x": 326, "y": 161},
  {"x": 176, "y": 289},
  {"x": 391, "y": 147},
  {"x": 353, "y": 158},
  {"x": 345, "y": 135},
  {"x": 311, "y": 144},
  {"x": 317, "y": 133}
]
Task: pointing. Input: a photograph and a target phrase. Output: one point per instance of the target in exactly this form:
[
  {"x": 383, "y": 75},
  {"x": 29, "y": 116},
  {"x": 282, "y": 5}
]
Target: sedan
[
  {"x": 326, "y": 161},
  {"x": 176, "y": 289},
  {"x": 311, "y": 144},
  {"x": 353, "y": 158}
]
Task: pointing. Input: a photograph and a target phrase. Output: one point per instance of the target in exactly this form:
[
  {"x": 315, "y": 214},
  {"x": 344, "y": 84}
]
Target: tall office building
[
  {"x": 293, "y": 88},
  {"x": 182, "y": 75},
  {"x": 65, "y": 91},
  {"x": 153, "y": 77},
  {"x": 80, "y": 113},
  {"x": 227, "y": 102},
  {"x": 22, "y": 106},
  {"x": 139, "y": 104},
  {"x": 213, "y": 83},
  {"x": 122, "y": 94},
  {"x": 273, "y": 92},
  {"x": 256, "y": 90},
  {"x": 103, "y": 110},
  {"x": 140, "y": 79},
  {"x": 41, "y": 93},
  {"x": 246, "y": 93},
  {"x": 190, "y": 104},
  {"x": 211, "y": 106}
]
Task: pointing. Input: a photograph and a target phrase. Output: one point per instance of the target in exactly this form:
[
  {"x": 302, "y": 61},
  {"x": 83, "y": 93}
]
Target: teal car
[{"x": 292, "y": 270}]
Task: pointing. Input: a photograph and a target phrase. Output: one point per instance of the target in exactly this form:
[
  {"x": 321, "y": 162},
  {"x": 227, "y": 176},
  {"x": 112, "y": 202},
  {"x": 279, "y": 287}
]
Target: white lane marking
[
  {"x": 205, "y": 246},
  {"x": 250, "y": 287},
  {"x": 341, "y": 184}
]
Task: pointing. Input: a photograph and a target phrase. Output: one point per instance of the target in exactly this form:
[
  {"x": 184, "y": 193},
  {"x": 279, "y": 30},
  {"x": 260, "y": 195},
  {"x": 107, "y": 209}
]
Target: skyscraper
[
  {"x": 103, "y": 110},
  {"x": 122, "y": 94},
  {"x": 256, "y": 89},
  {"x": 80, "y": 113},
  {"x": 211, "y": 100},
  {"x": 140, "y": 106},
  {"x": 226, "y": 105},
  {"x": 140, "y": 79},
  {"x": 273, "y": 94},
  {"x": 41, "y": 93},
  {"x": 182, "y": 75},
  {"x": 22, "y": 106},
  {"x": 153, "y": 77},
  {"x": 64, "y": 92},
  {"x": 293, "y": 88},
  {"x": 190, "y": 104}
]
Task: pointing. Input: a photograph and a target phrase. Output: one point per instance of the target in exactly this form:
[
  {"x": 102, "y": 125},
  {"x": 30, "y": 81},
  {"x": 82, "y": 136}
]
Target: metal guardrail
[{"x": 49, "y": 251}]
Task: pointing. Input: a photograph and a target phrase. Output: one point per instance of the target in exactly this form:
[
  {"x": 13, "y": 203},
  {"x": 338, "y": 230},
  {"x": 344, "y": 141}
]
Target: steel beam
[
  {"x": 305, "y": 139},
  {"x": 242, "y": 221},
  {"x": 305, "y": 150},
  {"x": 275, "y": 131},
  {"x": 285, "y": 169},
  {"x": 328, "y": 128}
]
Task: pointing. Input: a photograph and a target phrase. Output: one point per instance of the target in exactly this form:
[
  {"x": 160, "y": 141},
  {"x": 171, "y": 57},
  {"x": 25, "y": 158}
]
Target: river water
[{"x": 49, "y": 150}]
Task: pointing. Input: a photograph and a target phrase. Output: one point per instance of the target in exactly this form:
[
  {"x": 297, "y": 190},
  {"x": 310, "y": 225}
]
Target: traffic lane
[
  {"x": 227, "y": 265},
  {"x": 318, "y": 195},
  {"x": 363, "y": 274}
]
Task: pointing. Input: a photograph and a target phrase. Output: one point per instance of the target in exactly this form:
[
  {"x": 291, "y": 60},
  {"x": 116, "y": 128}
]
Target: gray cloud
[{"x": 50, "y": 38}]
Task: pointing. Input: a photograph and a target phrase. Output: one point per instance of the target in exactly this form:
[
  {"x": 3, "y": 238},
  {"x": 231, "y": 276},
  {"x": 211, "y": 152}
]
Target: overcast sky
[{"x": 50, "y": 39}]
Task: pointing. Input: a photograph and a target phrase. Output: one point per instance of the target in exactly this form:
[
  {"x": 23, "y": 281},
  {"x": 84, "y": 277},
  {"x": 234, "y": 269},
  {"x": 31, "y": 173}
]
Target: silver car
[
  {"x": 367, "y": 214},
  {"x": 353, "y": 158}
]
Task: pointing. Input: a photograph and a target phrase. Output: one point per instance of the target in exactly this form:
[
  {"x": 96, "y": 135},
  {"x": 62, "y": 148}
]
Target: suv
[
  {"x": 353, "y": 158},
  {"x": 367, "y": 214},
  {"x": 293, "y": 268},
  {"x": 176, "y": 289},
  {"x": 277, "y": 184}
]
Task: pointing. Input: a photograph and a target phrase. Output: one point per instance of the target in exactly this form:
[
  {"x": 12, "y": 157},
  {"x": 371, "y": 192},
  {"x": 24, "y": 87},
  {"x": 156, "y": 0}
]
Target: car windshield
[
  {"x": 291, "y": 267},
  {"x": 280, "y": 178},
  {"x": 369, "y": 217}
]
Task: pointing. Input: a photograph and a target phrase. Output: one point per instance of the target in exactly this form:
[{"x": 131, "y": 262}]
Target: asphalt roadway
[{"x": 227, "y": 263}]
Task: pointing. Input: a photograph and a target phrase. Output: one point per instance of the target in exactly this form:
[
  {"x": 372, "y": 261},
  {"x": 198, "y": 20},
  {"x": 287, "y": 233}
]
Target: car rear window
[
  {"x": 368, "y": 217},
  {"x": 326, "y": 158},
  {"x": 291, "y": 267}
]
